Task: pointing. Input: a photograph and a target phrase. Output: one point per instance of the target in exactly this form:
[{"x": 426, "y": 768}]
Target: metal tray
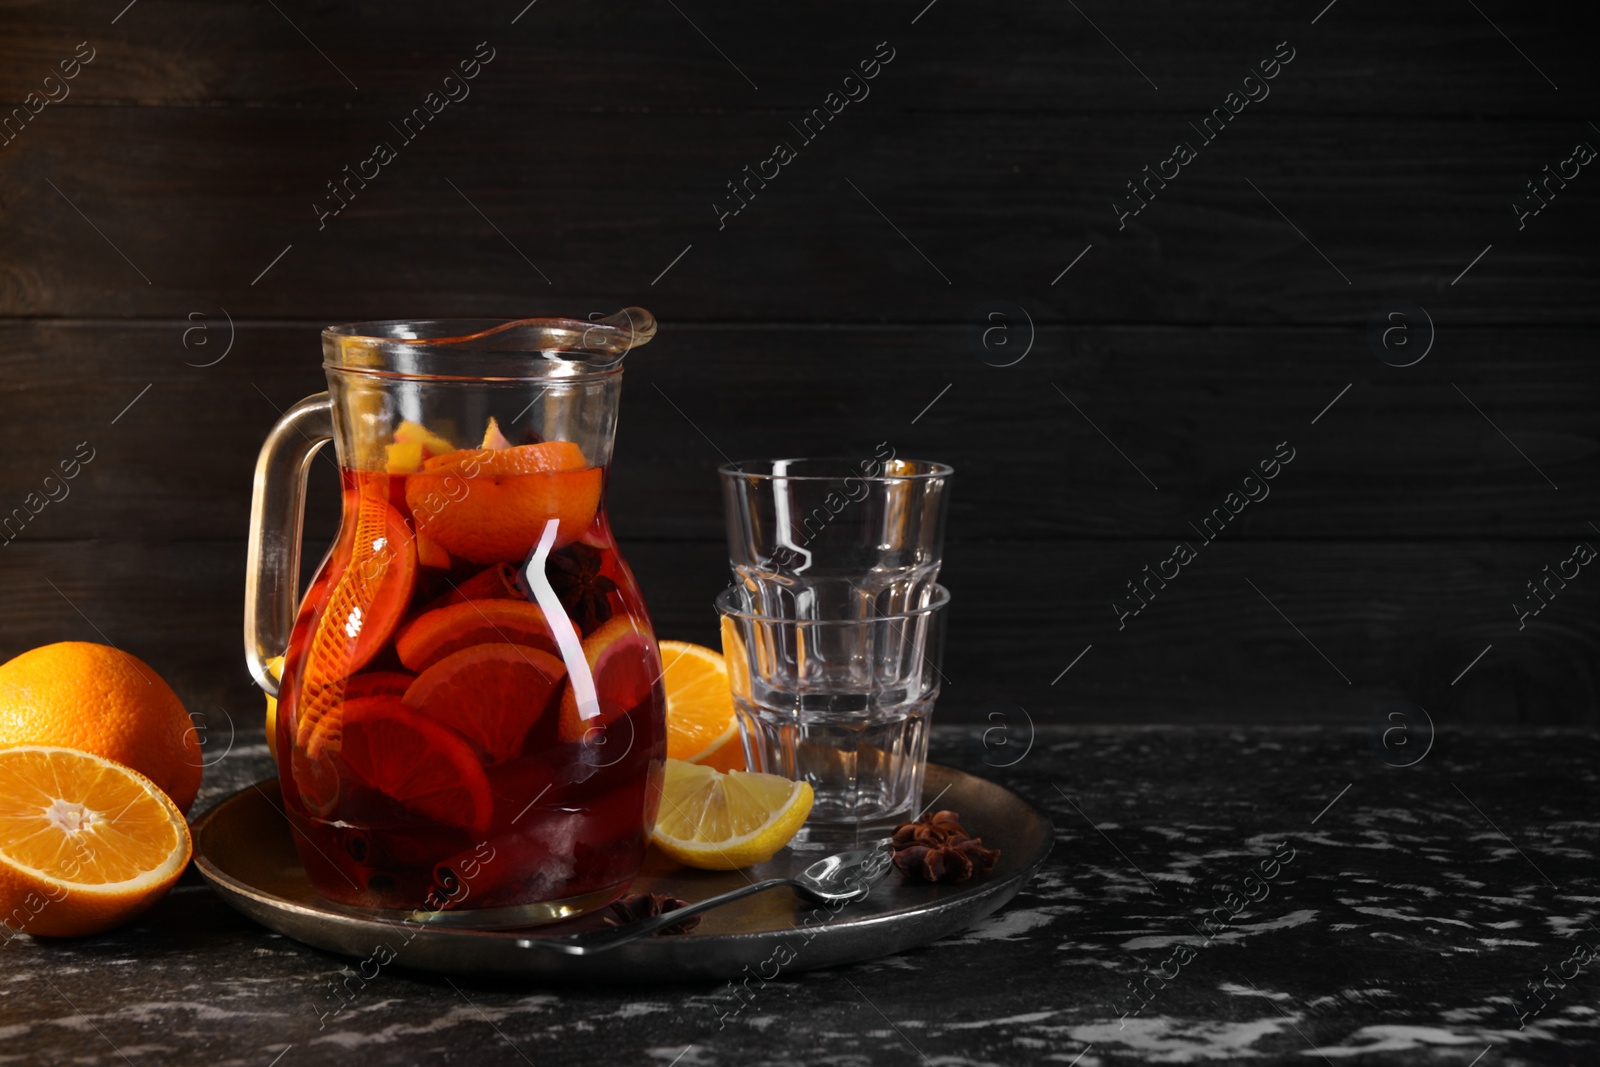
[{"x": 244, "y": 849}]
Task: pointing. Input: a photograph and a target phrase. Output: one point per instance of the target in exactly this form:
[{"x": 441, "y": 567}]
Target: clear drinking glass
[
  {"x": 834, "y": 627},
  {"x": 832, "y": 539},
  {"x": 841, "y": 703}
]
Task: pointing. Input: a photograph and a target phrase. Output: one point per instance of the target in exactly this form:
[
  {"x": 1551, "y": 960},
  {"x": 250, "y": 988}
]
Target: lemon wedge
[{"x": 720, "y": 822}]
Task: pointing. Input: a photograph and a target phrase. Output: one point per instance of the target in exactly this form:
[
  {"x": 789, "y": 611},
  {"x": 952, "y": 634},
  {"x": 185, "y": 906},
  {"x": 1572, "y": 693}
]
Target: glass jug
[{"x": 471, "y": 722}]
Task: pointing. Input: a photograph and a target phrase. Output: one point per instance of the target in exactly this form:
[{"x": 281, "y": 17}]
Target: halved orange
[
  {"x": 701, "y": 724},
  {"x": 420, "y": 763},
  {"x": 433, "y": 635},
  {"x": 499, "y": 516},
  {"x": 85, "y": 844},
  {"x": 491, "y": 694},
  {"x": 625, "y": 666}
]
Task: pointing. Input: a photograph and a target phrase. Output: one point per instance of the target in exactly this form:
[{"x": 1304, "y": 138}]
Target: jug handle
[{"x": 277, "y": 513}]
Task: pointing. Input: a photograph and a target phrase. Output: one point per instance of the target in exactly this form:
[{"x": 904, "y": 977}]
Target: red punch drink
[{"x": 472, "y": 723}]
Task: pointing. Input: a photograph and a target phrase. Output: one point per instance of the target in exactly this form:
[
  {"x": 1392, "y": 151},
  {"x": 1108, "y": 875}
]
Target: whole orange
[{"x": 104, "y": 701}]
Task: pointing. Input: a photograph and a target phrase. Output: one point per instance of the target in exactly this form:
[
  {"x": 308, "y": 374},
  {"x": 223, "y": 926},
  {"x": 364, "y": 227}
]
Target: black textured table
[{"x": 1215, "y": 895}]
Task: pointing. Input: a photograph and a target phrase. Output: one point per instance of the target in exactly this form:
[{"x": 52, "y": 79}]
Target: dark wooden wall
[{"x": 173, "y": 190}]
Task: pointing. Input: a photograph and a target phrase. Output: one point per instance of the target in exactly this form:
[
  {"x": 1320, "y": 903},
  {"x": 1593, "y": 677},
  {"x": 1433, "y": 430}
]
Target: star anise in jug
[{"x": 574, "y": 574}]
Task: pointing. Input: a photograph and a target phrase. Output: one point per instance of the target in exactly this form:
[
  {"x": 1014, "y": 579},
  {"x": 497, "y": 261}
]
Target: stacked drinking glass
[{"x": 833, "y": 631}]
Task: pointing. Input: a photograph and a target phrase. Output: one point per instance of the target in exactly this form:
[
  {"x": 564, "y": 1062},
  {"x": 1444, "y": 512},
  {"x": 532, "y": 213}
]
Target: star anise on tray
[
  {"x": 574, "y": 574},
  {"x": 637, "y": 906},
  {"x": 936, "y": 848}
]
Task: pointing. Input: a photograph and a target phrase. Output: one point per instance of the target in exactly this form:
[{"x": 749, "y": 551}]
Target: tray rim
[{"x": 652, "y": 961}]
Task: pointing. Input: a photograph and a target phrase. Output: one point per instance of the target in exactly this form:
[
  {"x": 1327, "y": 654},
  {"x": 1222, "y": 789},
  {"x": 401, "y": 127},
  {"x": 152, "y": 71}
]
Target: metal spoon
[{"x": 844, "y": 876}]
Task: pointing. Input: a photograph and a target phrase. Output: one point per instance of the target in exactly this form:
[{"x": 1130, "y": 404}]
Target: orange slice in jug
[
  {"x": 625, "y": 666},
  {"x": 546, "y": 457},
  {"x": 365, "y": 604},
  {"x": 433, "y": 635},
  {"x": 491, "y": 694},
  {"x": 496, "y": 583},
  {"x": 420, "y": 763},
  {"x": 491, "y": 505},
  {"x": 377, "y": 683},
  {"x": 326, "y": 737}
]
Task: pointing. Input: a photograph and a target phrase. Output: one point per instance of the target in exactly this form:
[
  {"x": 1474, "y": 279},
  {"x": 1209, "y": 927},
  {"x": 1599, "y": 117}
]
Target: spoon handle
[{"x": 600, "y": 940}]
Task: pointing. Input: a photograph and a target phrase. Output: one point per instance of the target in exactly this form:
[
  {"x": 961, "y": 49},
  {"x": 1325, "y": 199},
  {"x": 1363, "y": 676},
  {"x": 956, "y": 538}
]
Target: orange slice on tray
[
  {"x": 490, "y": 694},
  {"x": 367, "y": 602},
  {"x": 625, "y": 666},
  {"x": 701, "y": 724},
  {"x": 85, "y": 844},
  {"x": 491, "y": 505},
  {"x": 416, "y": 761},
  {"x": 433, "y": 635}
]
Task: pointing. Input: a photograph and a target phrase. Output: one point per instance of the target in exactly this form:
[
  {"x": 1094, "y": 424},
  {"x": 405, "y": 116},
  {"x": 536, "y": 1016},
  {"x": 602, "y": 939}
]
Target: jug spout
[{"x": 628, "y": 328}]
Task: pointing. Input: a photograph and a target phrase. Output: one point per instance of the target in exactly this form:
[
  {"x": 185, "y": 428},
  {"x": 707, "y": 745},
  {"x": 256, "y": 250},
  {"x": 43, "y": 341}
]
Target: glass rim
[
  {"x": 928, "y": 469},
  {"x": 487, "y": 349},
  {"x": 725, "y": 607}
]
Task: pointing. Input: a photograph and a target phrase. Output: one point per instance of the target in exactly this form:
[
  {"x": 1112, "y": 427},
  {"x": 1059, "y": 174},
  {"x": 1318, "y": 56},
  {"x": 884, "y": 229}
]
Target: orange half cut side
[{"x": 85, "y": 843}]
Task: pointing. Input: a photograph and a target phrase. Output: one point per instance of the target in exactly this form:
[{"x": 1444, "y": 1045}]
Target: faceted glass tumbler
[
  {"x": 841, "y": 703},
  {"x": 832, "y": 539}
]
